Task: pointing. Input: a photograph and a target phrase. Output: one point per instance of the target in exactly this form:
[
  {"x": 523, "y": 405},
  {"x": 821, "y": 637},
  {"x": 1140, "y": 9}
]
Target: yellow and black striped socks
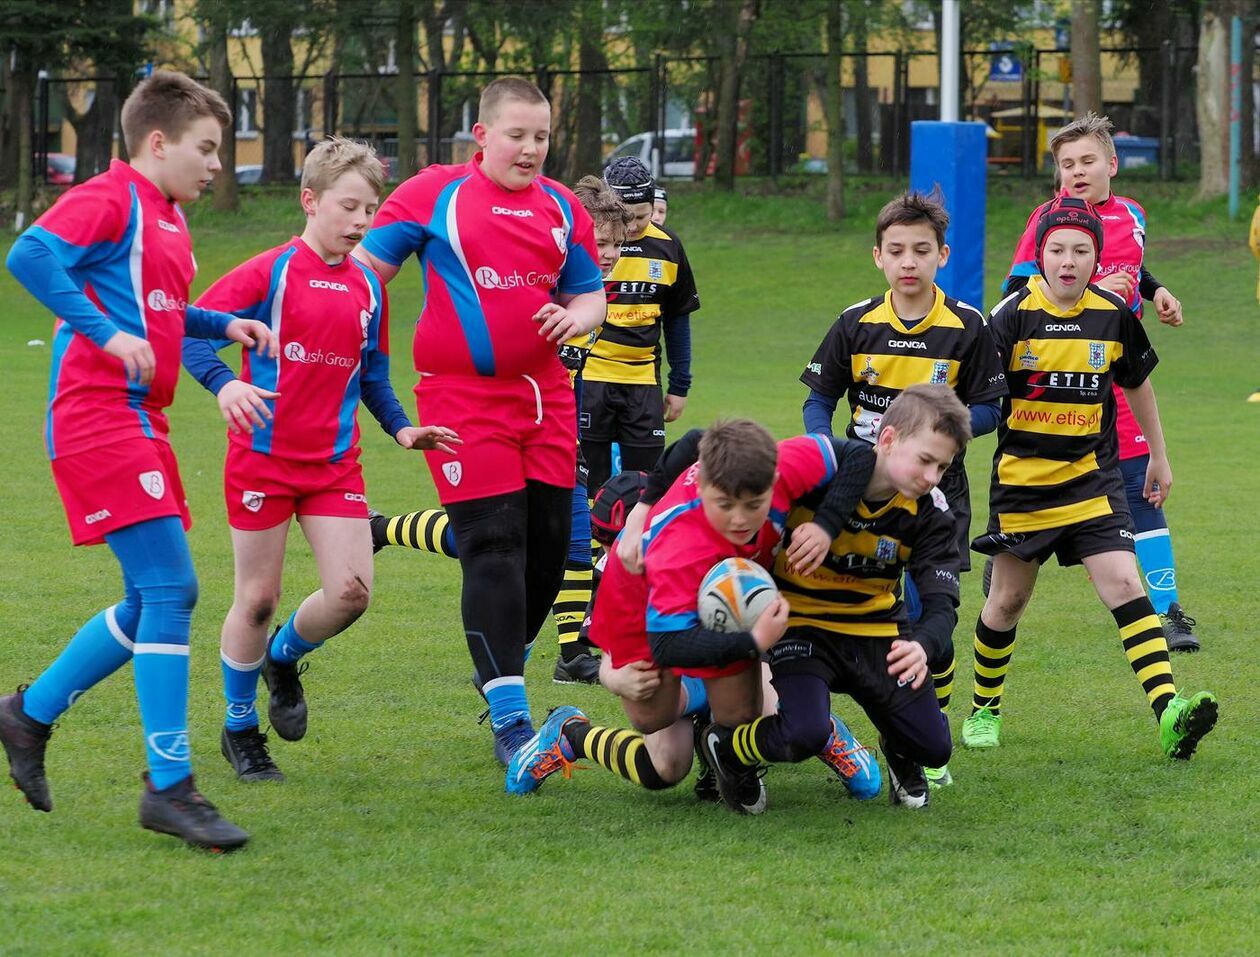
[
  {"x": 944, "y": 682},
  {"x": 570, "y": 606},
  {"x": 744, "y": 743},
  {"x": 427, "y": 530},
  {"x": 621, "y": 751},
  {"x": 992, "y": 657},
  {"x": 1147, "y": 650}
]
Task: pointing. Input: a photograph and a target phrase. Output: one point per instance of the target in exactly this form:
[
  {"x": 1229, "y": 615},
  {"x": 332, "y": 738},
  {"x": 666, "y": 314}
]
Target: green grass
[{"x": 392, "y": 834}]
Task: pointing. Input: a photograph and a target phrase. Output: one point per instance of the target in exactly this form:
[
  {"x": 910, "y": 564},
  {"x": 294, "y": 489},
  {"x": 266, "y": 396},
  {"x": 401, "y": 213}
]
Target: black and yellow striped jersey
[
  {"x": 857, "y": 589},
  {"x": 651, "y": 282},
  {"x": 869, "y": 356},
  {"x": 1057, "y": 457}
]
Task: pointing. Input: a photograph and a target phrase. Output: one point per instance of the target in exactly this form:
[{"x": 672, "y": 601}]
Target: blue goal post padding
[{"x": 954, "y": 156}]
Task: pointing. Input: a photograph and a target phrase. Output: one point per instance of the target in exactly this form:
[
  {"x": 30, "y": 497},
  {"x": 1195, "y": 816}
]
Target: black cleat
[
  {"x": 24, "y": 741},
  {"x": 287, "y": 707},
  {"x": 907, "y": 784},
  {"x": 378, "y": 523},
  {"x": 180, "y": 810},
  {"x": 247, "y": 752},
  {"x": 582, "y": 668},
  {"x": 1179, "y": 629},
  {"x": 706, "y": 781},
  {"x": 740, "y": 785}
]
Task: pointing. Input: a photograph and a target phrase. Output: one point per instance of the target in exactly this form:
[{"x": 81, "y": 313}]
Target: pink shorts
[
  {"x": 114, "y": 486},
  {"x": 263, "y": 491},
  {"x": 514, "y": 429}
]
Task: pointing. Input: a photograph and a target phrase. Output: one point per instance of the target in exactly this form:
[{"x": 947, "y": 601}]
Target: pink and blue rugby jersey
[
  {"x": 680, "y": 546},
  {"x": 333, "y": 327},
  {"x": 491, "y": 258},
  {"x": 112, "y": 254}
]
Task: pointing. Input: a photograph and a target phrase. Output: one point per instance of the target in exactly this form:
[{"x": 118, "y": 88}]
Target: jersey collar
[
  {"x": 924, "y": 324},
  {"x": 144, "y": 186},
  {"x": 1039, "y": 300}
]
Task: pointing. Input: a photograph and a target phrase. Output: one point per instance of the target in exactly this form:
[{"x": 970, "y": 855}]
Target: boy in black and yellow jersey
[
  {"x": 847, "y": 630},
  {"x": 1057, "y": 488},
  {"x": 651, "y": 292},
  {"x": 912, "y": 333}
]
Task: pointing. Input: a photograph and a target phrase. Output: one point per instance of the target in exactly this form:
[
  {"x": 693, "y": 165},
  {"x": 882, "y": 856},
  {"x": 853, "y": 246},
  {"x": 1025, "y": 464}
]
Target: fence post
[
  {"x": 1025, "y": 141},
  {"x": 776, "y": 115},
  {"x": 898, "y": 118},
  {"x": 39, "y": 172},
  {"x": 330, "y": 103},
  {"x": 660, "y": 100}
]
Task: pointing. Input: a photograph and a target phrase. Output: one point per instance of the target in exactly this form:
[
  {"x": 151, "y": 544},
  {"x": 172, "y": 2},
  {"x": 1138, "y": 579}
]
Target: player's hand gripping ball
[{"x": 734, "y": 594}]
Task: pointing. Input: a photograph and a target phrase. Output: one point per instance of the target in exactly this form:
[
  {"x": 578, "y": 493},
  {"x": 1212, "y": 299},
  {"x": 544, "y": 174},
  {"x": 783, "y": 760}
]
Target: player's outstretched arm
[{"x": 1158, "y": 471}]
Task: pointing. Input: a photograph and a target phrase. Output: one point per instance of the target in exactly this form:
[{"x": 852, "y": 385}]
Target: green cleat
[
  {"x": 938, "y": 778},
  {"x": 982, "y": 729},
  {"x": 1184, "y": 723}
]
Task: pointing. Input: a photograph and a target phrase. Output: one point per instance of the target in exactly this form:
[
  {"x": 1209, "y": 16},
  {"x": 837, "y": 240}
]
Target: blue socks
[
  {"x": 100, "y": 648},
  {"x": 1155, "y": 555},
  {"x": 287, "y": 646},
  {"x": 240, "y": 688},
  {"x": 506, "y": 697}
]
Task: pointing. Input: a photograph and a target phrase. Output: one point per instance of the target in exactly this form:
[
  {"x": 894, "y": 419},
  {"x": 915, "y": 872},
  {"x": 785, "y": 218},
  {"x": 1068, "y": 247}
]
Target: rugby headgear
[
  {"x": 1071, "y": 213},
  {"x": 631, "y": 180},
  {"x": 612, "y": 504}
]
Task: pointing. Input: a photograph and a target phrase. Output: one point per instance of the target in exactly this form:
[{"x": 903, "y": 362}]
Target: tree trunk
[
  {"x": 1213, "y": 103},
  {"x": 862, "y": 91},
  {"x": 279, "y": 104},
  {"x": 1249, "y": 170},
  {"x": 226, "y": 195},
  {"x": 405, "y": 93},
  {"x": 1086, "y": 58},
  {"x": 23, "y": 96},
  {"x": 734, "y": 52},
  {"x": 833, "y": 107},
  {"x": 588, "y": 153},
  {"x": 8, "y": 127}
]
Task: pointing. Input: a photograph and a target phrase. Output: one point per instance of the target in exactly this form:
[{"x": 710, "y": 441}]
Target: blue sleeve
[
  {"x": 678, "y": 349},
  {"x": 818, "y": 412},
  {"x": 378, "y": 394},
  {"x": 985, "y": 417},
  {"x": 44, "y": 276},
  {"x": 200, "y": 359},
  {"x": 394, "y": 242},
  {"x": 206, "y": 323}
]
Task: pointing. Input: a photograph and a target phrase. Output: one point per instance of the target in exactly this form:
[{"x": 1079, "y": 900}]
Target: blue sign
[{"x": 1005, "y": 67}]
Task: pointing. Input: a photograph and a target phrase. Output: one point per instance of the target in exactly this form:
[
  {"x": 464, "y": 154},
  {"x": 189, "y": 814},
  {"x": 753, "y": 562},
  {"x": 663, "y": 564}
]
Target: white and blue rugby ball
[{"x": 734, "y": 594}]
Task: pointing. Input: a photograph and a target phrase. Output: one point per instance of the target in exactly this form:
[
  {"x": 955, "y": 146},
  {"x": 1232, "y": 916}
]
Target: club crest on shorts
[
  {"x": 561, "y": 237},
  {"x": 454, "y": 472},
  {"x": 1097, "y": 355},
  {"x": 154, "y": 483},
  {"x": 253, "y": 501},
  {"x": 940, "y": 372}
]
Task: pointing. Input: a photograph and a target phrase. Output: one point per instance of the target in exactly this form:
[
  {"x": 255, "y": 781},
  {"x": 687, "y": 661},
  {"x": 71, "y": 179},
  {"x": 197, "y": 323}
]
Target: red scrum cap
[{"x": 1072, "y": 213}]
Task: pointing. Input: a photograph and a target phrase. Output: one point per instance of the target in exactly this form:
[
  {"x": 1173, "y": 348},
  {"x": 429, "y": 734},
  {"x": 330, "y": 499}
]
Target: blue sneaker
[
  {"x": 852, "y": 763},
  {"x": 509, "y": 739},
  {"x": 544, "y": 754}
]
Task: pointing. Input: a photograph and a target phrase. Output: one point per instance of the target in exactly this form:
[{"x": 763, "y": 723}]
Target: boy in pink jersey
[
  {"x": 510, "y": 271},
  {"x": 293, "y": 444},
  {"x": 1085, "y": 161},
  {"x": 113, "y": 261}
]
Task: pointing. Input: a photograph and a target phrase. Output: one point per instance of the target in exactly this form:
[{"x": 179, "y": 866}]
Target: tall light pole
[{"x": 949, "y": 60}]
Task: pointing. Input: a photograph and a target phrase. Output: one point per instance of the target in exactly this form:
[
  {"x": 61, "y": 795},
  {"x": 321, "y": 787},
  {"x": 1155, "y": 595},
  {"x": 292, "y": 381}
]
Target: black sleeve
[
  {"x": 934, "y": 566},
  {"x": 830, "y": 372},
  {"x": 980, "y": 376},
  {"x": 676, "y": 459},
  {"x": 935, "y": 628},
  {"x": 1138, "y": 358},
  {"x": 1002, "y": 328},
  {"x": 1014, "y": 284},
  {"x": 683, "y": 298},
  {"x": 1148, "y": 285},
  {"x": 855, "y": 461},
  {"x": 701, "y": 648}
]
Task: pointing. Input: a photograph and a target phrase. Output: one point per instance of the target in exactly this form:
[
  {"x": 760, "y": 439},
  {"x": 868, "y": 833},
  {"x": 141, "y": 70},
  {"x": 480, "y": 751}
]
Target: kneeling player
[{"x": 296, "y": 451}]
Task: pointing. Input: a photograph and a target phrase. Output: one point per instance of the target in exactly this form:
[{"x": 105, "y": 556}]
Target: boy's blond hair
[
  {"x": 738, "y": 457},
  {"x": 335, "y": 156},
  {"x": 169, "y": 102},
  {"x": 598, "y": 199},
  {"x": 934, "y": 407},
  {"x": 1091, "y": 124},
  {"x": 503, "y": 89}
]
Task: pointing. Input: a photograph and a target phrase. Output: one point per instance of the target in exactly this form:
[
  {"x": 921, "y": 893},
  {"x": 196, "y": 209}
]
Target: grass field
[{"x": 393, "y": 834}]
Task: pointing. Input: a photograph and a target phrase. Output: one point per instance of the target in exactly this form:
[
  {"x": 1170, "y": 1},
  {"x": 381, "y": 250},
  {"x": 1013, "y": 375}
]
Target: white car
[{"x": 680, "y": 152}]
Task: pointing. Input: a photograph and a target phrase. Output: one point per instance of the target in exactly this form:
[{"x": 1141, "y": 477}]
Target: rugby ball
[{"x": 734, "y": 594}]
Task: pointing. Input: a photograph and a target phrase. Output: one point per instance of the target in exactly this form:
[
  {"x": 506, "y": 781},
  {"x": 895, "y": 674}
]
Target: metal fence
[{"x": 665, "y": 111}]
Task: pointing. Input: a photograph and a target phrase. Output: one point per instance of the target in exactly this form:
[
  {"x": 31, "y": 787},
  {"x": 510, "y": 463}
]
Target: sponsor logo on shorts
[
  {"x": 907, "y": 344},
  {"x": 171, "y": 745},
  {"x": 658, "y": 433},
  {"x": 354, "y": 497},
  {"x": 1125, "y": 533},
  {"x": 95, "y": 517},
  {"x": 655, "y": 269},
  {"x": 792, "y": 648},
  {"x": 154, "y": 483},
  {"x": 454, "y": 472},
  {"x": 326, "y": 284},
  {"x": 160, "y": 301},
  {"x": 1162, "y": 579},
  {"x": 296, "y": 352},
  {"x": 584, "y": 420},
  {"x": 1062, "y": 327},
  {"x": 169, "y": 227},
  {"x": 504, "y": 211},
  {"x": 488, "y": 278},
  {"x": 253, "y": 501}
]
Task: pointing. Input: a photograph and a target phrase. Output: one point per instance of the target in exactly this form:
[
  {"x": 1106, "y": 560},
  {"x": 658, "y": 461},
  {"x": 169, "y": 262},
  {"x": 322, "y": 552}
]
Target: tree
[
  {"x": 405, "y": 86},
  {"x": 1086, "y": 58},
  {"x": 833, "y": 106},
  {"x": 1213, "y": 101},
  {"x": 588, "y": 153},
  {"x": 226, "y": 194},
  {"x": 733, "y": 54}
]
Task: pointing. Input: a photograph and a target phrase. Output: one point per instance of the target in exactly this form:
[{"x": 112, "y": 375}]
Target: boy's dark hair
[
  {"x": 934, "y": 407},
  {"x": 1091, "y": 124},
  {"x": 503, "y": 89},
  {"x": 738, "y": 457},
  {"x": 911, "y": 208},
  {"x": 170, "y": 102},
  {"x": 602, "y": 203}
]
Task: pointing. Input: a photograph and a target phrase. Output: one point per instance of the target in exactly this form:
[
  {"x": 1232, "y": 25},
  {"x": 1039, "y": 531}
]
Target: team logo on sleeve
[
  {"x": 253, "y": 501},
  {"x": 153, "y": 483},
  {"x": 1097, "y": 355},
  {"x": 940, "y": 373},
  {"x": 454, "y": 472}
]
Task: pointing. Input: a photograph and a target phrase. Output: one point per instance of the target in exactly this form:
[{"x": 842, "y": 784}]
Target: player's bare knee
[
  {"x": 671, "y": 769},
  {"x": 260, "y": 609},
  {"x": 354, "y": 598}
]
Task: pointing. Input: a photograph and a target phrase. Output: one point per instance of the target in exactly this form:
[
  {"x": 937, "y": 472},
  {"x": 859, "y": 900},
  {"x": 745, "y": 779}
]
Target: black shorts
[
  {"x": 958, "y": 494},
  {"x": 627, "y": 414},
  {"x": 1068, "y": 543},
  {"x": 854, "y": 666}
]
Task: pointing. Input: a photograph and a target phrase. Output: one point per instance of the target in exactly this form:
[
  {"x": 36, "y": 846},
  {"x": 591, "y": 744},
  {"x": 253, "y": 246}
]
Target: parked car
[
  {"x": 680, "y": 152},
  {"x": 249, "y": 175},
  {"x": 60, "y": 170}
]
